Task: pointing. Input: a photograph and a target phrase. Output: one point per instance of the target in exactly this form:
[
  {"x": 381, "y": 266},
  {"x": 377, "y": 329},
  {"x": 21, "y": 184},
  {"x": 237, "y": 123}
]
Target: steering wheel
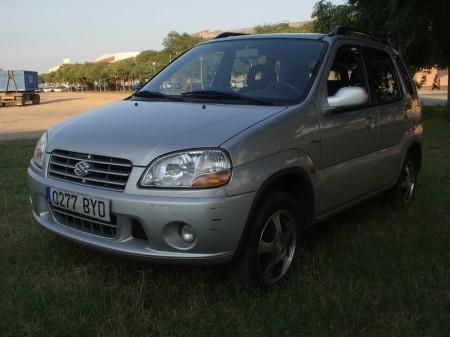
[{"x": 283, "y": 86}]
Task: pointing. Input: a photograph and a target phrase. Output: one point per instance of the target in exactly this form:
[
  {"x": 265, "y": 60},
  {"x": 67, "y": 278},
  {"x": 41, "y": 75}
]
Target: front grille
[
  {"x": 104, "y": 172},
  {"x": 85, "y": 224}
]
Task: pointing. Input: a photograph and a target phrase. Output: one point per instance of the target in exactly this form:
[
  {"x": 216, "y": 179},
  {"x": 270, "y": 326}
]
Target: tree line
[{"x": 121, "y": 74}]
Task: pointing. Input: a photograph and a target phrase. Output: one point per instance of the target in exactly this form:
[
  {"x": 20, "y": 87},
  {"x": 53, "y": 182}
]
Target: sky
[{"x": 37, "y": 35}]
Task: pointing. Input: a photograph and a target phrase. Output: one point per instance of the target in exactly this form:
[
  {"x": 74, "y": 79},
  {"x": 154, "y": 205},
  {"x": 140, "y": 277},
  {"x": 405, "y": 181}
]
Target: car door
[
  {"x": 348, "y": 136},
  {"x": 387, "y": 93}
]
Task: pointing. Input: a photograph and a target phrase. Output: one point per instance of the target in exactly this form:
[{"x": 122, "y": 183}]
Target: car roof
[
  {"x": 303, "y": 36},
  {"x": 309, "y": 36}
]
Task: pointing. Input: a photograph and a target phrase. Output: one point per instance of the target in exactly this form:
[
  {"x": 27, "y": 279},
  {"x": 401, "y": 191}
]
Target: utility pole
[
  {"x": 448, "y": 93},
  {"x": 201, "y": 72}
]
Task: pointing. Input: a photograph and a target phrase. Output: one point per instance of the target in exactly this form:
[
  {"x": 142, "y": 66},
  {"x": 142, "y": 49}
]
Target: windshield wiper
[
  {"x": 155, "y": 94},
  {"x": 216, "y": 94}
]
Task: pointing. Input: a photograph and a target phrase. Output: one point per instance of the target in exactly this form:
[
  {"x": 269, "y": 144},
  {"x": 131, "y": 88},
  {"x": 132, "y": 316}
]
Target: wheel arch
[
  {"x": 294, "y": 181},
  {"x": 416, "y": 150}
]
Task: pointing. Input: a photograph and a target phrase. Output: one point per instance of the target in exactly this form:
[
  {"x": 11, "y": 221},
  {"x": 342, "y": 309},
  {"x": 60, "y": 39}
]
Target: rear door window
[
  {"x": 382, "y": 77},
  {"x": 404, "y": 73}
]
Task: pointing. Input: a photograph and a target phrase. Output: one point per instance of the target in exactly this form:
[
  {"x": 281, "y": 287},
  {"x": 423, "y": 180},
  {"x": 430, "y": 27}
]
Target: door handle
[{"x": 370, "y": 123}]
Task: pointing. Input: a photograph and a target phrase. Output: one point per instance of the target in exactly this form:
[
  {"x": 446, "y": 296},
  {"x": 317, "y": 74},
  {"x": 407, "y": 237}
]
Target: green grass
[{"x": 371, "y": 271}]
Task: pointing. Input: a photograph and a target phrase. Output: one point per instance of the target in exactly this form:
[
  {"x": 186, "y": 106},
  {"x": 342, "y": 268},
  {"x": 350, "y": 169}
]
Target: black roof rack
[
  {"x": 344, "y": 30},
  {"x": 228, "y": 34}
]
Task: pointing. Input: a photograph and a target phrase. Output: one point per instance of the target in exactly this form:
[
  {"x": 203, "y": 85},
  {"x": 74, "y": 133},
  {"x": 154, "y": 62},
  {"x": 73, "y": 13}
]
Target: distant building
[
  {"x": 207, "y": 35},
  {"x": 432, "y": 79},
  {"x": 55, "y": 68},
  {"x": 115, "y": 57}
]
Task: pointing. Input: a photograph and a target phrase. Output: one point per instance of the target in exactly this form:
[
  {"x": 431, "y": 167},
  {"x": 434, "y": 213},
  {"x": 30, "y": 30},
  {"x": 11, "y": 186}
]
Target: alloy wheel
[
  {"x": 408, "y": 184},
  {"x": 276, "y": 246}
]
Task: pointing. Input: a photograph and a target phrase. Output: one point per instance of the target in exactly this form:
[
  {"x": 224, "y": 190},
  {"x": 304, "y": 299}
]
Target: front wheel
[{"x": 272, "y": 240}]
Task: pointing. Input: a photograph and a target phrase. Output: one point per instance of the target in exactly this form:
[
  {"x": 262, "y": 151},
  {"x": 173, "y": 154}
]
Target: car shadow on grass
[{"x": 320, "y": 239}]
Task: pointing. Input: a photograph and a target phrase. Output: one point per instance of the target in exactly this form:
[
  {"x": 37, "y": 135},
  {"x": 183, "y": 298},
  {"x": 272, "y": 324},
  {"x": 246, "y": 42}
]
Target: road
[{"x": 431, "y": 98}]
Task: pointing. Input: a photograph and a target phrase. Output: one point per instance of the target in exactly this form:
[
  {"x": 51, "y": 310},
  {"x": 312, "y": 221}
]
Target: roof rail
[
  {"x": 344, "y": 30},
  {"x": 228, "y": 34}
]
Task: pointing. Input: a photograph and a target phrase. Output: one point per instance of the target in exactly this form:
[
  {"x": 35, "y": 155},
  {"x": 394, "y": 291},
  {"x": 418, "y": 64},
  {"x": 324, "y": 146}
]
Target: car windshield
[{"x": 245, "y": 71}]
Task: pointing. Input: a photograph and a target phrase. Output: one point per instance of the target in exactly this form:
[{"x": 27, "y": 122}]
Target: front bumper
[{"x": 218, "y": 222}]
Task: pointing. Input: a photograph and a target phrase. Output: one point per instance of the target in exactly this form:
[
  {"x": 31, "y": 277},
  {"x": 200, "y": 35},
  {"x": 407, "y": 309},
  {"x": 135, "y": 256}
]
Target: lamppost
[
  {"x": 154, "y": 68},
  {"x": 201, "y": 72}
]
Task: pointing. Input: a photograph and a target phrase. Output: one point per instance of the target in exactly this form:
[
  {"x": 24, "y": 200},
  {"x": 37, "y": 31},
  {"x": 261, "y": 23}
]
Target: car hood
[{"x": 141, "y": 131}]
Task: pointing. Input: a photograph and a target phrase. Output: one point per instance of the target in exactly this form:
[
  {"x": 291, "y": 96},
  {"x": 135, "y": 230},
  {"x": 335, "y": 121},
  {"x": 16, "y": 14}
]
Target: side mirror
[{"x": 347, "y": 97}]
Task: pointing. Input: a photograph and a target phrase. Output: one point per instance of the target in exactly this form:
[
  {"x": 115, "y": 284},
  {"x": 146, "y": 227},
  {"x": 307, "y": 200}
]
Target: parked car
[
  {"x": 137, "y": 86},
  {"x": 48, "y": 89},
  {"x": 227, "y": 174}
]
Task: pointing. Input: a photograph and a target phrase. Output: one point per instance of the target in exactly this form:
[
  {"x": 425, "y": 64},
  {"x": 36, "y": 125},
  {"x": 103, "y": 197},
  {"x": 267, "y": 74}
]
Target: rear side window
[
  {"x": 405, "y": 76},
  {"x": 382, "y": 77}
]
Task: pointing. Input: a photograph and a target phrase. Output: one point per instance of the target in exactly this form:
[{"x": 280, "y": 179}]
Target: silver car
[{"x": 207, "y": 172}]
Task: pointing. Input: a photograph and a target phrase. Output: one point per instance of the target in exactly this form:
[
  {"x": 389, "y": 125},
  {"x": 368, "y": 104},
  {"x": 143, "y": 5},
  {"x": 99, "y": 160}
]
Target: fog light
[{"x": 188, "y": 234}]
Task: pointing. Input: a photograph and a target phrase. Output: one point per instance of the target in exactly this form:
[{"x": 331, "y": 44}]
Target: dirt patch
[{"x": 29, "y": 121}]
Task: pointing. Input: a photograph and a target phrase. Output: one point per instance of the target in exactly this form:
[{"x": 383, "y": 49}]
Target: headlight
[
  {"x": 189, "y": 169},
  {"x": 39, "y": 150}
]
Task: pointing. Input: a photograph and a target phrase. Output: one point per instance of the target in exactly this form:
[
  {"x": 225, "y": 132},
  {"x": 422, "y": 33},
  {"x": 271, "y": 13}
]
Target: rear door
[
  {"x": 388, "y": 95},
  {"x": 348, "y": 136}
]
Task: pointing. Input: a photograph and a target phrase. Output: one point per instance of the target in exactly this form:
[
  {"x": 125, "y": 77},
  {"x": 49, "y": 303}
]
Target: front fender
[{"x": 251, "y": 176}]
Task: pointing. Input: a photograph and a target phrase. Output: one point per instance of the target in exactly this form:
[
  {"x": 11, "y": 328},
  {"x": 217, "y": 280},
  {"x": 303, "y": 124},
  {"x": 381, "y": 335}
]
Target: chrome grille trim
[
  {"x": 85, "y": 224},
  {"x": 92, "y": 170},
  {"x": 86, "y": 178},
  {"x": 104, "y": 172},
  {"x": 56, "y": 153}
]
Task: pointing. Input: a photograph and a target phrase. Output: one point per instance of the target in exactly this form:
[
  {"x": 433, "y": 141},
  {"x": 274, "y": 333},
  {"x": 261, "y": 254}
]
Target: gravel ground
[
  {"x": 432, "y": 99},
  {"x": 29, "y": 121}
]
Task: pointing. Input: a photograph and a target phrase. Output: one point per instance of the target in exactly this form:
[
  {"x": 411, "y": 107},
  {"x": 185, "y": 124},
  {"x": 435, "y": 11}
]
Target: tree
[
  {"x": 418, "y": 29},
  {"x": 147, "y": 56},
  {"x": 327, "y": 16},
  {"x": 283, "y": 27},
  {"x": 176, "y": 43}
]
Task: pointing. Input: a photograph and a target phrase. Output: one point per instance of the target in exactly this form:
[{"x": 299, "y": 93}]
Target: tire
[
  {"x": 404, "y": 190},
  {"x": 24, "y": 99},
  {"x": 36, "y": 99},
  {"x": 272, "y": 240}
]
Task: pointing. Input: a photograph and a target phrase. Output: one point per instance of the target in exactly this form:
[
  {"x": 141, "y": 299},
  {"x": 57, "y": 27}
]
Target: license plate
[{"x": 96, "y": 208}]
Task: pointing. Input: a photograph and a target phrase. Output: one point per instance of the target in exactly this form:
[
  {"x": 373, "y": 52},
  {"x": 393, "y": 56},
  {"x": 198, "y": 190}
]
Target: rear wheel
[
  {"x": 272, "y": 240},
  {"x": 23, "y": 100},
  {"x": 405, "y": 189},
  {"x": 36, "y": 99}
]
